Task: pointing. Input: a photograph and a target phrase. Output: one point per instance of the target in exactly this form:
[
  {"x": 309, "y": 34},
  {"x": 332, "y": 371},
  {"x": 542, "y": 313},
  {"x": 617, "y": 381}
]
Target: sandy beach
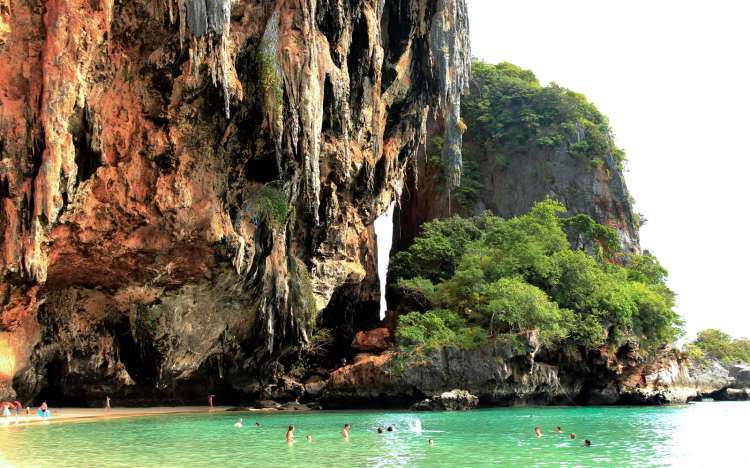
[{"x": 61, "y": 415}]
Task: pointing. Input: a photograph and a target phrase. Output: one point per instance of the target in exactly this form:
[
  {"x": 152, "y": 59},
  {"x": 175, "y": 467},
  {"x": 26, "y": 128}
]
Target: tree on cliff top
[
  {"x": 719, "y": 345},
  {"x": 509, "y": 113},
  {"x": 511, "y": 276}
]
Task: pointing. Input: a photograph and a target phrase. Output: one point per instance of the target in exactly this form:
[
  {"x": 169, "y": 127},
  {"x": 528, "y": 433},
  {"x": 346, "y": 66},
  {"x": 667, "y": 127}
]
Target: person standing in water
[
  {"x": 345, "y": 431},
  {"x": 309, "y": 439},
  {"x": 587, "y": 443},
  {"x": 432, "y": 444},
  {"x": 573, "y": 435},
  {"x": 238, "y": 424},
  {"x": 290, "y": 434},
  {"x": 257, "y": 424},
  {"x": 558, "y": 430},
  {"x": 538, "y": 431}
]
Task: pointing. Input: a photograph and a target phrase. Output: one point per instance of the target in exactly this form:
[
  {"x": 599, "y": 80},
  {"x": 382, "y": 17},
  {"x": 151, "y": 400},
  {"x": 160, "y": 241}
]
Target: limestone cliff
[
  {"x": 523, "y": 143},
  {"x": 185, "y": 184}
]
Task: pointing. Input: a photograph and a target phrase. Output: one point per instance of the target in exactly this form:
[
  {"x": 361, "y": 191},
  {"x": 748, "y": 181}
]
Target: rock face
[
  {"x": 511, "y": 183},
  {"x": 502, "y": 373},
  {"x": 185, "y": 184},
  {"x": 375, "y": 340}
]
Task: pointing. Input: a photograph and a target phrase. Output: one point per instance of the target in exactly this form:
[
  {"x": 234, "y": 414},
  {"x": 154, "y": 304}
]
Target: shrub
[{"x": 498, "y": 276}]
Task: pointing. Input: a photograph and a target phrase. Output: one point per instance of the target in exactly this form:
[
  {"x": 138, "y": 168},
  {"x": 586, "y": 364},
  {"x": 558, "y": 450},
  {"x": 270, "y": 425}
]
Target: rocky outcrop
[
  {"x": 375, "y": 340},
  {"x": 455, "y": 400},
  {"x": 185, "y": 184},
  {"x": 507, "y": 374},
  {"x": 509, "y": 183}
]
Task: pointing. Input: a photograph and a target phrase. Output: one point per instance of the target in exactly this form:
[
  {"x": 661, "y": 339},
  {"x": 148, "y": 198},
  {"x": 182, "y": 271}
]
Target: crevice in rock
[{"x": 87, "y": 154}]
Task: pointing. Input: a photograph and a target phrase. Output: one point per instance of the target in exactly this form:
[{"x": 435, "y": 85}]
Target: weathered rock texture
[
  {"x": 504, "y": 373},
  {"x": 185, "y": 183},
  {"x": 511, "y": 183}
]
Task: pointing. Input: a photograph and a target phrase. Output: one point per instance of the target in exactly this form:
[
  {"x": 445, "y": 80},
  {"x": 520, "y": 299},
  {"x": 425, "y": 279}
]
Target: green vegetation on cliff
[
  {"x": 509, "y": 113},
  {"x": 487, "y": 277},
  {"x": 719, "y": 345}
]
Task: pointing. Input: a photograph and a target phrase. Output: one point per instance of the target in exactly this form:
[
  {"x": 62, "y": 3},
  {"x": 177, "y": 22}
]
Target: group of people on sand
[
  {"x": 558, "y": 430},
  {"x": 8, "y": 409}
]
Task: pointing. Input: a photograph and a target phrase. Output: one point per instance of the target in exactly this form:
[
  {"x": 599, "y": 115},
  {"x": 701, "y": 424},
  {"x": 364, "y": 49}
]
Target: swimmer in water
[
  {"x": 238, "y": 424},
  {"x": 309, "y": 438},
  {"x": 390, "y": 429},
  {"x": 345, "y": 432},
  {"x": 432, "y": 444},
  {"x": 257, "y": 424},
  {"x": 587, "y": 443},
  {"x": 538, "y": 431},
  {"x": 572, "y": 435},
  {"x": 290, "y": 434},
  {"x": 558, "y": 430},
  {"x": 380, "y": 430}
]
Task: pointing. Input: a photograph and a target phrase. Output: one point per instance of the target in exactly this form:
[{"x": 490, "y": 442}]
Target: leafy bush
[
  {"x": 509, "y": 276},
  {"x": 719, "y": 345},
  {"x": 270, "y": 202}
]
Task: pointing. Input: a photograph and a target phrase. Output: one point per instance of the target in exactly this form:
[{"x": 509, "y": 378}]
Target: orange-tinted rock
[
  {"x": 375, "y": 340},
  {"x": 179, "y": 195}
]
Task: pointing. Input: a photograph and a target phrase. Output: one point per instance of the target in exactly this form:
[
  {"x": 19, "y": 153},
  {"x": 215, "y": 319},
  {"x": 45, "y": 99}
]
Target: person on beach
[
  {"x": 17, "y": 406},
  {"x": 44, "y": 410},
  {"x": 28, "y": 412},
  {"x": 572, "y": 435},
  {"x": 6, "y": 410},
  {"x": 290, "y": 434},
  {"x": 211, "y": 402},
  {"x": 558, "y": 430},
  {"x": 238, "y": 424},
  {"x": 107, "y": 406},
  {"x": 345, "y": 431},
  {"x": 309, "y": 439},
  {"x": 587, "y": 443},
  {"x": 538, "y": 431}
]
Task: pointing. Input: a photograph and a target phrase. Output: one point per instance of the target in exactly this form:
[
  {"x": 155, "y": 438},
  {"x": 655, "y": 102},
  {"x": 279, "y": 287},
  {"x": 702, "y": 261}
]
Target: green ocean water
[{"x": 704, "y": 434}]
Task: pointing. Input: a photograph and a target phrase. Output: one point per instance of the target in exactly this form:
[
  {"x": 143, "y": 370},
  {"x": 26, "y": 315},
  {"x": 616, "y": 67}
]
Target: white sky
[{"x": 673, "y": 76}]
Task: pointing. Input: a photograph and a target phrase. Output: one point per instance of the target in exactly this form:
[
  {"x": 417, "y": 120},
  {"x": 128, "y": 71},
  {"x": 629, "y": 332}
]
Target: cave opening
[{"x": 142, "y": 370}]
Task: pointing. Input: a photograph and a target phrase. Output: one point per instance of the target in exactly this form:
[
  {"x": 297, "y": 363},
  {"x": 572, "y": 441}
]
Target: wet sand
[{"x": 61, "y": 415}]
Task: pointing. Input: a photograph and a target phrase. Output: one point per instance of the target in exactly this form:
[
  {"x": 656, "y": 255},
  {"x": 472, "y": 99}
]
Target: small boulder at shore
[
  {"x": 731, "y": 394},
  {"x": 742, "y": 379},
  {"x": 455, "y": 400},
  {"x": 267, "y": 404}
]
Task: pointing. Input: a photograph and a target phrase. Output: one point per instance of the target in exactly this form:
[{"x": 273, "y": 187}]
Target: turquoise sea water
[{"x": 703, "y": 434}]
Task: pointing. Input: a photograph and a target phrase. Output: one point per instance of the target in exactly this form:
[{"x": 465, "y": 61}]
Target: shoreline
[{"x": 72, "y": 414}]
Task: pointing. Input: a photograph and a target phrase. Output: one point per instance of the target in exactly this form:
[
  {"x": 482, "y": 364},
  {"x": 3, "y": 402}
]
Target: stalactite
[
  {"x": 208, "y": 22},
  {"x": 451, "y": 52}
]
